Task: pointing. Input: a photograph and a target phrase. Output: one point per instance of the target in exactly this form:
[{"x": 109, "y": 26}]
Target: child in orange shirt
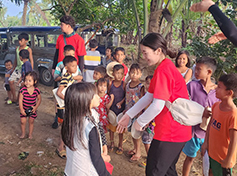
[{"x": 221, "y": 135}]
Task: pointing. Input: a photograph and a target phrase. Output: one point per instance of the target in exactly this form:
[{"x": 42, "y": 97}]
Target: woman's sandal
[
  {"x": 119, "y": 151},
  {"x": 62, "y": 154}
]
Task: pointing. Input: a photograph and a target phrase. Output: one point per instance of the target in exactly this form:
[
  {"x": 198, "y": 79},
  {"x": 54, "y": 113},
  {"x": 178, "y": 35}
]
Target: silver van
[{"x": 42, "y": 41}]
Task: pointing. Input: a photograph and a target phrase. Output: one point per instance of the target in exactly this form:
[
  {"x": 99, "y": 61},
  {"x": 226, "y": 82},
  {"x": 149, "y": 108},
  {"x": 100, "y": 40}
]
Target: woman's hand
[
  {"x": 123, "y": 123},
  {"x": 202, "y": 6},
  {"x": 216, "y": 38}
]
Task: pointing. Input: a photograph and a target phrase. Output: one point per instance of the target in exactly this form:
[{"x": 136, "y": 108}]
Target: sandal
[
  {"x": 130, "y": 153},
  {"x": 111, "y": 148},
  {"x": 134, "y": 159},
  {"x": 142, "y": 164},
  {"x": 119, "y": 151},
  {"x": 62, "y": 154}
]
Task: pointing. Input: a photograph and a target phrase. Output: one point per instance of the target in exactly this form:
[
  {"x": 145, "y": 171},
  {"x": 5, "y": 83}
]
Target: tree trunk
[
  {"x": 24, "y": 12},
  {"x": 154, "y": 21},
  {"x": 184, "y": 34},
  {"x": 42, "y": 14},
  {"x": 145, "y": 13}
]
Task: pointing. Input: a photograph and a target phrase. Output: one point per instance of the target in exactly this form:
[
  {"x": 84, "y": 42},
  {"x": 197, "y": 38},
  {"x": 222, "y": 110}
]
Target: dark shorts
[
  {"x": 7, "y": 86},
  {"x": 60, "y": 113},
  {"x": 217, "y": 170}
]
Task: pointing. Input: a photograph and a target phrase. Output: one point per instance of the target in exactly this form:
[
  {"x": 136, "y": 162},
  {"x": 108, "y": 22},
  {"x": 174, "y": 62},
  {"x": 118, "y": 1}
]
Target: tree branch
[
  {"x": 61, "y": 4},
  {"x": 92, "y": 25},
  {"x": 71, "y": 6}
]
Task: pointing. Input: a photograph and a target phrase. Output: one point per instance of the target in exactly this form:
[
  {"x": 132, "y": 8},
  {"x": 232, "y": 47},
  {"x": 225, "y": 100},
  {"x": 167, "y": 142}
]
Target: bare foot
[
  {"x": 30, "y": 137},
  {"x": 22, "y": 136}
]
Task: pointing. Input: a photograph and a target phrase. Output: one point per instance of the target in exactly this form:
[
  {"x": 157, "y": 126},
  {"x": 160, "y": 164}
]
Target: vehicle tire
[{"x": 46, "y": 77}]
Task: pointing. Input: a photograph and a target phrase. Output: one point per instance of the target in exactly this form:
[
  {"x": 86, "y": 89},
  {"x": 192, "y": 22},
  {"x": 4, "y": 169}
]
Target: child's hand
[
  {"x": 207, "y": 112},
  {"x": 7, "y": 75},
  {"x": 34, "y": 109},
  {"x": 225, "y": 163},
  {"x": 106, "y": 158},
  {"x": 23, "y": 113},
  {"x": 203, "y": 148},
  {"x": 118, "y": 105}
]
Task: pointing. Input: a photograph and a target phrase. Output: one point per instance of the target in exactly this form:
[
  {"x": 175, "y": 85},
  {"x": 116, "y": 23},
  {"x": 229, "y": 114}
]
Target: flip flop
[
  {"x": 130, "y": 153},
  {"x": 142, "y": 164},
  {"x": 62, "y": 154},
  {"x": 119, "y": 151},
  {"x": 111, "y": 148}
]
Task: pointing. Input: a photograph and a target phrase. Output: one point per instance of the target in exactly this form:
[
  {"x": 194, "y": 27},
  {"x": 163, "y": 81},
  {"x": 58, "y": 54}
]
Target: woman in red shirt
[{"x": 167, "y": 84}]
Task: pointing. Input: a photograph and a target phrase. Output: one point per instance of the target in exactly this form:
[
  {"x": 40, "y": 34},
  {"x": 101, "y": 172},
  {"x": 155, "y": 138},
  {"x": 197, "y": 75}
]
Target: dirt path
[{"x": 42, "y": 159}]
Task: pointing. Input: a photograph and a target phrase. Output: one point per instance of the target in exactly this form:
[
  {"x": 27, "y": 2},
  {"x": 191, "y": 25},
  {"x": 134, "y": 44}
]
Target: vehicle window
[
  {"x": 52, "y": 39},
  {"x": 14, "y": 40},
  {"x": 3, "y": 42},
  {"x": 39, "y": 40}
]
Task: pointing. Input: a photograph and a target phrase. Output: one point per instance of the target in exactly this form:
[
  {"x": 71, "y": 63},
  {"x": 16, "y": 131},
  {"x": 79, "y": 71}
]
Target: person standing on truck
[
  {"x": 23, "y": 39},
  {"x": 69, "y": 37}
]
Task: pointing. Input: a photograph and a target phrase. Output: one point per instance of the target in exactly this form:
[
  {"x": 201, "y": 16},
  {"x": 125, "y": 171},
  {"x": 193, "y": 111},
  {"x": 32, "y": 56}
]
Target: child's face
[
  {"x": 29, "y": 81},
  {"x": 97, "y": 75},
  {"x": 135, "y": 74},
  {"x": 71, "y": 67},
  {"x": 147, "y": 84},
  {"x": 108, "y": 52},
  {"x": 182, "y": 60},
  {"x": 221, "y": 91},
  {"x": 69, "y": 53},
  {"x": 102, "y": 87},
  {"x": 118, "y": 75},
  {"x": 22, "y": 42},
  {"x": 8, "y": 65},
  {"x": 202, "y": 71},
  {"x": 119, "y": 56},
  {"x": 95, "y": 101}
]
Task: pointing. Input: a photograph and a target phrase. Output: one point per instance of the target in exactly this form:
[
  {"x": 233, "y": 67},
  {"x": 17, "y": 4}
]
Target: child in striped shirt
[{"x": 29, "y": 97}]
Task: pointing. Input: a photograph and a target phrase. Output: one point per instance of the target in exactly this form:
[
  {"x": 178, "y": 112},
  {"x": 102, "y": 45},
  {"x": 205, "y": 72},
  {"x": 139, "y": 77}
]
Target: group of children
[
  {"x": 21, "y": 72},
  {"x": 117, "y": 96},
  {"x": 219, "y": 136}
]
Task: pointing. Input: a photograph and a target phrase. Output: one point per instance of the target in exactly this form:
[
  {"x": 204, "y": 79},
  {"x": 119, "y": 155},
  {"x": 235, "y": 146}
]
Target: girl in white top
[
  {"x": 182, "y": 62},
  {"x": 80, "y": 132}
]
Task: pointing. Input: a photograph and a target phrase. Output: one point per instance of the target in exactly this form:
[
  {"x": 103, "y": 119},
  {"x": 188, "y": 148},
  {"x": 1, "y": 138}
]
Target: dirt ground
[{"x": 42, "y": 159}]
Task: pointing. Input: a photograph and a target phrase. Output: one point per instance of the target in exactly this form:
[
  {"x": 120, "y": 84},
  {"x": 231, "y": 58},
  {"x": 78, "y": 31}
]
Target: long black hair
[
  {"x": 77, "y": 106},
  {"x": 155, "y": 41}
]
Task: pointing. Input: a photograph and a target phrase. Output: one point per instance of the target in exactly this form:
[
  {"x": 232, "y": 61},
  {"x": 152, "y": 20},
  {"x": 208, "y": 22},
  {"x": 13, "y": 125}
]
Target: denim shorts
[{"x": 192, "y": 146}]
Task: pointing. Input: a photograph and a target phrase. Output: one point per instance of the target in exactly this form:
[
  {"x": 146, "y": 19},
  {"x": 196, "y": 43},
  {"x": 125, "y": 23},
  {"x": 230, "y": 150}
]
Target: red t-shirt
[
  {"x": 125, "y": 70},
  {"x": 76, "y": 41},
  {"x": 168, "y": 84}
]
